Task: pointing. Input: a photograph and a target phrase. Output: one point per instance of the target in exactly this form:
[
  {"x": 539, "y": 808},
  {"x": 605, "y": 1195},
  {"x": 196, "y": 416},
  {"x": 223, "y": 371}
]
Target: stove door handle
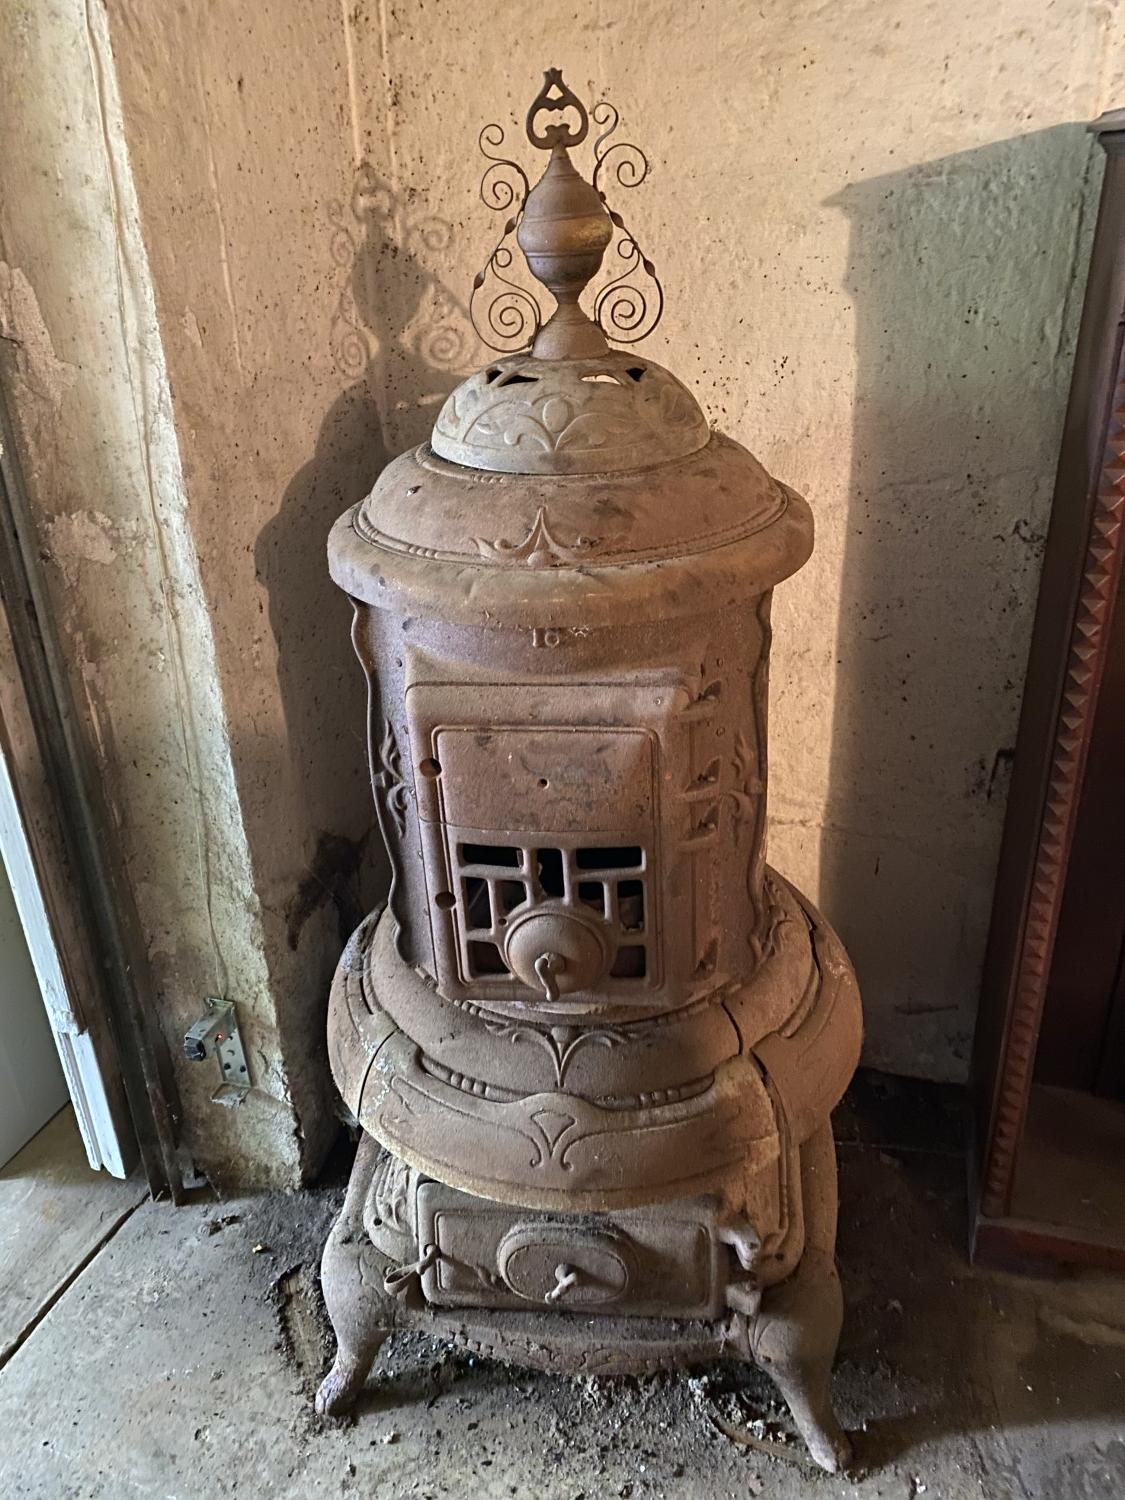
[{"x": 400, "y": 1281}]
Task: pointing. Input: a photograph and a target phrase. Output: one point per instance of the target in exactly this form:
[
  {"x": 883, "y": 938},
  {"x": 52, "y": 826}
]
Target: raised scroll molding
[
  {"x": 747, "y": 788},
  {"x": 540, "y": 548},
  {"x": 389, "y": 780},
  {"x": 391, "y": 796},
  {"x": 561, "y": 1043},
  {"x": 392, "y": 1191}
]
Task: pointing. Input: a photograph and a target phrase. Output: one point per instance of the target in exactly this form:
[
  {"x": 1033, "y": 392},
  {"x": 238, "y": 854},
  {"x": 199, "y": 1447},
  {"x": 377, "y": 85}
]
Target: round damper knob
[{"x": 556, "y": 951}]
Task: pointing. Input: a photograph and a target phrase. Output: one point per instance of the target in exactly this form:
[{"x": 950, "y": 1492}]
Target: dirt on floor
[{"x": 183, "y": 1361}]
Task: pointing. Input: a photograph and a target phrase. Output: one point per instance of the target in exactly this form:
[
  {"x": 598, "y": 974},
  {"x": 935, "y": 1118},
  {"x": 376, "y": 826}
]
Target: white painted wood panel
[{"x": 32, "y": 1085}]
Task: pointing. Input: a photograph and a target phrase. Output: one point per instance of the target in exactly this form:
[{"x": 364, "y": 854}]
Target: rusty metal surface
[
  {"x": 702, "y": 535},
  {"x": 599, "y": 1038},
  {"x": 524, "y": 415},
  {"x": 525, "y": 1103}
]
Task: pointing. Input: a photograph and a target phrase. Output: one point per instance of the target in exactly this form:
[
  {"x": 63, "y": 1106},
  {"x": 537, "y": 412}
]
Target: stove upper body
[{"x": 569, "y": 697}]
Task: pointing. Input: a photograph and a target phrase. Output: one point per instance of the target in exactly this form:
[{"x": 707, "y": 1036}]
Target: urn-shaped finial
[{"x": 565, "y": 227}]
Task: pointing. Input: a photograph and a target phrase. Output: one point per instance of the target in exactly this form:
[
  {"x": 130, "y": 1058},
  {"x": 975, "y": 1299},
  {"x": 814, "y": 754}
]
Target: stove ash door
[
  {"x": 663, "y": 1262},
  {"x": 541, "y": 838}
]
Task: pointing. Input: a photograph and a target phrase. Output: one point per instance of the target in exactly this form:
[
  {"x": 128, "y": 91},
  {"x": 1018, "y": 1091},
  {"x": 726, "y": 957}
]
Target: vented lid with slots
[{"x": 525, "y": 415}]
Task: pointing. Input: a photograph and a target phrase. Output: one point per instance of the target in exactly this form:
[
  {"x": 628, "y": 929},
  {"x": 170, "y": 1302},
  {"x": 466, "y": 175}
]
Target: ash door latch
[
  {"x": 565, "y": 1277},
  {"x": 216, "y": 1035}
]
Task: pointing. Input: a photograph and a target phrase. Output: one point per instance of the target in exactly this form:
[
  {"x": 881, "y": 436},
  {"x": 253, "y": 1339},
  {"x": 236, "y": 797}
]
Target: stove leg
[
  {"x": 360, "y": 1317},
  {"x": 337, "y": 1392},
  {"x": 796, "y": 1332}
]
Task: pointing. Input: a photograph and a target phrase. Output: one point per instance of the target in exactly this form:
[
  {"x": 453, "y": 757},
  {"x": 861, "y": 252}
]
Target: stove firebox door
[{"x": 541, "y": 837}]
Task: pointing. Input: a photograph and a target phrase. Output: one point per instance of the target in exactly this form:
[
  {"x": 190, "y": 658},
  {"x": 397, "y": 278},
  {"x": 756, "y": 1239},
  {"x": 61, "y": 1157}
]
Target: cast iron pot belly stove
[{"x": 593, "y": 1040}]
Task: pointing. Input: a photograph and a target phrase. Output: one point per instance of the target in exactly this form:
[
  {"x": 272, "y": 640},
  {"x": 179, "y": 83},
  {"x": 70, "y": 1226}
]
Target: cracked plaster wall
[
  {"x": 872, "y": 221},
  {"x": 86, "y": 383}
]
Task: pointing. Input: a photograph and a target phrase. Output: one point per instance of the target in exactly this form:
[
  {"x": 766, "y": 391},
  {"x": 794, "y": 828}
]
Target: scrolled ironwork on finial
[
  {"x": 505, "y": 315},
  {"x": 623, "y": 309},
  {"x": 629, "y": 169},
  {"x": 498, "y": 191},
  {"x": 564, "y": 225}
]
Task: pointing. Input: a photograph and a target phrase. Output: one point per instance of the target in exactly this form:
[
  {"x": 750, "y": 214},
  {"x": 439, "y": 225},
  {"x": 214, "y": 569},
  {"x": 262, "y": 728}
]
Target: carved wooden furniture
[
  {"x": 593, "y": 1040},
  {"x": 1049, "y": 1062}
]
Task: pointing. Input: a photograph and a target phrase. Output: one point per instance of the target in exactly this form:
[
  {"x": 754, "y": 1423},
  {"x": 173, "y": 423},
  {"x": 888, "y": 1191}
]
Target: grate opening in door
[{"x": 608, "y": 882}]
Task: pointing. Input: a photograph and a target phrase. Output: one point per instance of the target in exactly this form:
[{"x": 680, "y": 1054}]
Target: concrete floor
[
  {"x": 181, "y": 1360},
  {"x": 55, "y": 1214}
]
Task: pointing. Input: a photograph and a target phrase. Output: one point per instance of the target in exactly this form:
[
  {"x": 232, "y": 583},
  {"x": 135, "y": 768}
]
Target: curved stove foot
[
  {"x": 338, "y": 1390},
  {"x": 361, "y": 1318},
  {"x": 794, "y": 1341},
  {"x": 795, "y": 1335}
]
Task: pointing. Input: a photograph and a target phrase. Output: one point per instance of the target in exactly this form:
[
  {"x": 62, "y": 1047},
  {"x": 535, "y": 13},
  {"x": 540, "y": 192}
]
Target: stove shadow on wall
[
  {"x": 402, "y": 342},
  {"x": 966, "y": 275}
]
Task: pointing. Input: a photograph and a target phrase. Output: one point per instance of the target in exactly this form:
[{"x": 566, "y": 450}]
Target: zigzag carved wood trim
[{"x": 1089, "y": 640}]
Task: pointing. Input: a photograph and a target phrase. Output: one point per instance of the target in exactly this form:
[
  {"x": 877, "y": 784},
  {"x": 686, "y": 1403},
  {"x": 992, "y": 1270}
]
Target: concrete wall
[
  {"x": 120, "y": 535},
  {"x": 871, "y": 220}
]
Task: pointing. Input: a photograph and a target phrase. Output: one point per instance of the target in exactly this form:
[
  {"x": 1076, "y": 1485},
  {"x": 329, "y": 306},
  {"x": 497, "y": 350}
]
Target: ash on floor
[{"x": 181, "y": 1363}]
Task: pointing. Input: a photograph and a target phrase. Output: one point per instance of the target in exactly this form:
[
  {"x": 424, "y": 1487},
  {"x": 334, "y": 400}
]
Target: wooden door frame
[{"x": 1083, "y": 559}]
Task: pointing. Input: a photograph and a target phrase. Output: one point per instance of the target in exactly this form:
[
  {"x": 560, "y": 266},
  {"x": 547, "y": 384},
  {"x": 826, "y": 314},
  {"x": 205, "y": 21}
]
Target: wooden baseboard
[{"x": 1068, "y": 1203}]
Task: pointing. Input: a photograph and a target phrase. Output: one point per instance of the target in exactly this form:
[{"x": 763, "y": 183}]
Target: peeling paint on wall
[
  {"x": 34, "y": 366},
  {"x": 93, "y": 417},
  {"x": 86, "y": 536}
]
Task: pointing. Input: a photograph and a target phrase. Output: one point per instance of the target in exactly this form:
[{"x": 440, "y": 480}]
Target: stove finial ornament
[{"x": 564, "y": 226}]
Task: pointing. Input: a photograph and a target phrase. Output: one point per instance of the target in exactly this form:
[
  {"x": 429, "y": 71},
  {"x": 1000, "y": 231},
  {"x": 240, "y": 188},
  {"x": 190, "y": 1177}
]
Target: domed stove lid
[{"x": 526, "y": 415}]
